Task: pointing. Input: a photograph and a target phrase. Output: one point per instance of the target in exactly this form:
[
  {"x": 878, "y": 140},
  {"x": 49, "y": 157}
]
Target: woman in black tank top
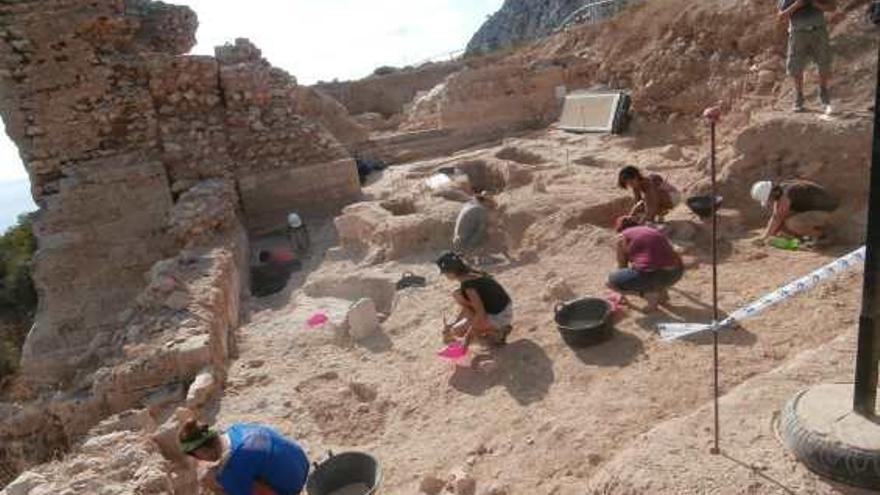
[{"x": 485, "y": 308}]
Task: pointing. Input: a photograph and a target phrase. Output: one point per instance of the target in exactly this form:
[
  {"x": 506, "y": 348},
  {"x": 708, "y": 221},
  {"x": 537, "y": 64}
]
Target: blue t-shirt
[{"x": 259, "y": 453}]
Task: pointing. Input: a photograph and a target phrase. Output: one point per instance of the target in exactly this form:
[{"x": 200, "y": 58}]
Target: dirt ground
[{"x": 551, "y": 417}]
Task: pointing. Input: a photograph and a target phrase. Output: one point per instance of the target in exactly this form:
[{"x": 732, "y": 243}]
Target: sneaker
[
  {"x": 828, "y": 110},
  {"x": 825, "y": 96}
]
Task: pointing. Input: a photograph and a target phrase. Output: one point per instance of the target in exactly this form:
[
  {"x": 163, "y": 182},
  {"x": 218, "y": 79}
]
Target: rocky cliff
[{"x": 520, "y": 21}]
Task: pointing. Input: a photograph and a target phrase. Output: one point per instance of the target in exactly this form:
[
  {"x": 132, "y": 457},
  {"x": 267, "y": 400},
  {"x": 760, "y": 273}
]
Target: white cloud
[
  {"x": 345, "y": 39},
  {"x": 10, "y": 163},
  {"x": 326, "y": 39}
]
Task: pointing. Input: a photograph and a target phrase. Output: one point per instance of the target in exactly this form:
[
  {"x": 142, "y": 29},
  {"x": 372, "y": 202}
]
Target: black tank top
[
  {"x": 493, "y": 296},
  {"x": 808, "y": 196}
]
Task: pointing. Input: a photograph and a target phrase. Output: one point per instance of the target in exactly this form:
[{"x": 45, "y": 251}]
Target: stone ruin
[{"x": 150, "y": 167}]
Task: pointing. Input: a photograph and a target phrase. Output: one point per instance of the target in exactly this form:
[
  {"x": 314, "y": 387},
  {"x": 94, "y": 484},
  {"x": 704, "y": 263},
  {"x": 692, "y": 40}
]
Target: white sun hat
[
  {"x": 294, "y": 221},
  {"x": 761, "y": 192}
]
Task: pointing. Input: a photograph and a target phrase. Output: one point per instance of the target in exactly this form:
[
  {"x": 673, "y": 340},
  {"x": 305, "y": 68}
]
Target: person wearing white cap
[
  {"x": 800, "y": 208},
  {"x": 298, "y": 234}
]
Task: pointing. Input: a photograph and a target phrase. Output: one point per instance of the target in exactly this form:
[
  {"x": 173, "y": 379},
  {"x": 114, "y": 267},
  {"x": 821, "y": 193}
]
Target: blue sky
[{"x": 326, "y": 39}]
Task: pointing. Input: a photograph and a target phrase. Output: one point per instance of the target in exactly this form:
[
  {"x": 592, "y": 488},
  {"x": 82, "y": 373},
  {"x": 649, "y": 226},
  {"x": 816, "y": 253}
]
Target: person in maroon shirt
[{"x": 648, "y": 264}]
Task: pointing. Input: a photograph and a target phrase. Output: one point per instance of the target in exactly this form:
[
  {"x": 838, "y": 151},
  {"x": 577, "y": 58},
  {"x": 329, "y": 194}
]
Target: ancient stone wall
[
  {"x": 492, "y": 97},
  {"x": 76, "y": 101},
  {"x": 316, "y": 105},
  {"x": 388, "y": 94},
  {"x": 115, "y": 126},
  {"x": 173, "y": 344},
  {"x": 119, "y": 458},
  {"x": 283, "y": 162}
]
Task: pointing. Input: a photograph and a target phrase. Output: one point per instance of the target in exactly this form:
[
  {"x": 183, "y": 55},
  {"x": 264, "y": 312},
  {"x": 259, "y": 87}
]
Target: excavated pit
[
  {"x": 482, "y": 176},
  {"x": 400, "y": 207},
  {"x": 519, "y": 155},
  {"x": 601, "y": 215}
]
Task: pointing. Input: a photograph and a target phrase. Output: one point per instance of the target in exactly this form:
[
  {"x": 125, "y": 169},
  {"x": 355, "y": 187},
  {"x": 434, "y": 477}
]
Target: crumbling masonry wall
[{"x": 115, "y": 125}]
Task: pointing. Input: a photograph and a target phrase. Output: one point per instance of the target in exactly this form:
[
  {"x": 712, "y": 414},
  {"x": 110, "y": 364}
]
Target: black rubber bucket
[
  {"x": 584, "y": 322},
  {"x": 702, "y": 205},
  {"x": 343, "y": 470}
]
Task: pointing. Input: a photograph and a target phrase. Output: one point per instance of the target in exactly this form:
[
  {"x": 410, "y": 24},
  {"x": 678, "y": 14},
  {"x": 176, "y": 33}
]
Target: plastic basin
[
  {"x": 343, "y": 470},
  {"x": 584, "y": 322}
]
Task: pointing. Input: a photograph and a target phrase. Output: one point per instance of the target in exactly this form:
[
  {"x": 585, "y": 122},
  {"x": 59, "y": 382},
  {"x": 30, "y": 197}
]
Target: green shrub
[
  {"x": 18, "y": 298},
  {"x": 385, "y": 70},
  {"x": 17, "y": 246}
]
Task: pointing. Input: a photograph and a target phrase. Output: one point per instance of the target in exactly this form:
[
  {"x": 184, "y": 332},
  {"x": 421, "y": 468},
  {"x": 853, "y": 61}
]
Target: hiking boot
[
  {"x": 798, "y": 104},
  {"x": 825, "y": 96}
]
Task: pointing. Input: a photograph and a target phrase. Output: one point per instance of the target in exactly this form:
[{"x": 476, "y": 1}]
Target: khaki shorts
[
  {"x": 804, "y": 46},
  {"x": 807, "y": 223}
]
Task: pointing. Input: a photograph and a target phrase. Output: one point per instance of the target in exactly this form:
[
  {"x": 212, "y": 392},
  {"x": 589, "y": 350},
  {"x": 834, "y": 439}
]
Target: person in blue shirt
[{"x": 251, "y": 458}]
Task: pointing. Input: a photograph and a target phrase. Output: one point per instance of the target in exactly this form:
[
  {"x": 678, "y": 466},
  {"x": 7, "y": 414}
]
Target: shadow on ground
[
  {"x": 694, "y": 311},
  {"x": 323, "y": 237},
  {"x": 377, "y": 344},
  {"x": 622, "y": 349},
  {"x": 524, "y": 369}
]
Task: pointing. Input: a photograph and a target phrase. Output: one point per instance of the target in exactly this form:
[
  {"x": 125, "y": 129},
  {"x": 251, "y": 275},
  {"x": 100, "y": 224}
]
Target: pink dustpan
[
  {"x": 317, "y": 320},
  {"x": 453, "y": 352}
]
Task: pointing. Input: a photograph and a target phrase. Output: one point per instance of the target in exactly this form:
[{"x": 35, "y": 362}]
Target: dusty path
[{"x": 551, "y": 417}]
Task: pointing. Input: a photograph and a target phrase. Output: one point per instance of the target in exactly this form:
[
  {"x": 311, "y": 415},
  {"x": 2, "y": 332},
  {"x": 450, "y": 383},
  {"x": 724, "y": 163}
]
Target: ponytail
[{"x": 450, "y": 262}]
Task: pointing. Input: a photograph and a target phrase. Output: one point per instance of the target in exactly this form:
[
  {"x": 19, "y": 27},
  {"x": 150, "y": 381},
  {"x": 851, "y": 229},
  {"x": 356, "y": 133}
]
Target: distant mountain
[
  {"x": 15, "y": 199},
  {"x": 520, "y": 21}
]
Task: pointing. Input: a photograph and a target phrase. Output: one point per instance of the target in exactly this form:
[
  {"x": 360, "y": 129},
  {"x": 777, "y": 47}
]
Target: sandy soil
[{"x": 551, "y": 417}]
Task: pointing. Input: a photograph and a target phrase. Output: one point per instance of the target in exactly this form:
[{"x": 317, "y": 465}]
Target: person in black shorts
[
  {"x": 485, "y": 308},
  {"x": 800, "y": 208}
]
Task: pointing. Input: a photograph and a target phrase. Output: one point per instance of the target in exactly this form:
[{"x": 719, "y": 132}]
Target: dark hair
[
  {"x": 264, "y": 256},
  {"x": 628, "y": 173},
  {"x": 625, "y": 222},
  {"x": 197, "y": 435},
  {"x": 450, "y": 262},
  {"x": 775, "y": 193}
]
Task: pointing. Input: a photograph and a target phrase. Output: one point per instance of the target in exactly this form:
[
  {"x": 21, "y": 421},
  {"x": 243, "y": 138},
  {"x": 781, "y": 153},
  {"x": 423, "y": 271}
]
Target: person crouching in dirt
[
  {"x": 298, "y": 234},
  {"x": 251, "y": 459},
  {"x": 485, "y": 308},
  {"x": 647, "y": 263},
  {"x": 472, "y": 226},
  {"x": 654, "y": 196},
  {"x": 800, "y": 208},
  {"x": 281, "y": 259}
]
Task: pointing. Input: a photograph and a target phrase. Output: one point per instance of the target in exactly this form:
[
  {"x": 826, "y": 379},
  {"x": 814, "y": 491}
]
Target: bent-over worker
[
  {"x": 472, "y": 225},
  {"x": 485, "y": 308},
  {"x": 654, "y": 196},
  {"x": 647, "y": 263},
  {"x": 800, "y": 208},
  {"x": 251, "y": 458},
  {"x": 298, "y": 234}
]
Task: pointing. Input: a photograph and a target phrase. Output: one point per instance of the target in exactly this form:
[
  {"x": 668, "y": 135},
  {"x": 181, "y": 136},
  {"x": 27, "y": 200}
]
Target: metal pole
[
  {"x": 716, "y": 449},
  {"x": 868, "y": 354}
]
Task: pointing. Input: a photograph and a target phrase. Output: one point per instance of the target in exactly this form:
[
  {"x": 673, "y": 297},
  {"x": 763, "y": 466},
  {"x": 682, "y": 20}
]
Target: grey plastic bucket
[{"x": 345, "y": 469}]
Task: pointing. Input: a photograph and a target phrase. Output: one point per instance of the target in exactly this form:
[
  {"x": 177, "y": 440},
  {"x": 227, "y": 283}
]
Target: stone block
[
  {"x": 362, "y": 319},
  {"x": 201, "y": 390},
  {"x": 24, "y": 484}
]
